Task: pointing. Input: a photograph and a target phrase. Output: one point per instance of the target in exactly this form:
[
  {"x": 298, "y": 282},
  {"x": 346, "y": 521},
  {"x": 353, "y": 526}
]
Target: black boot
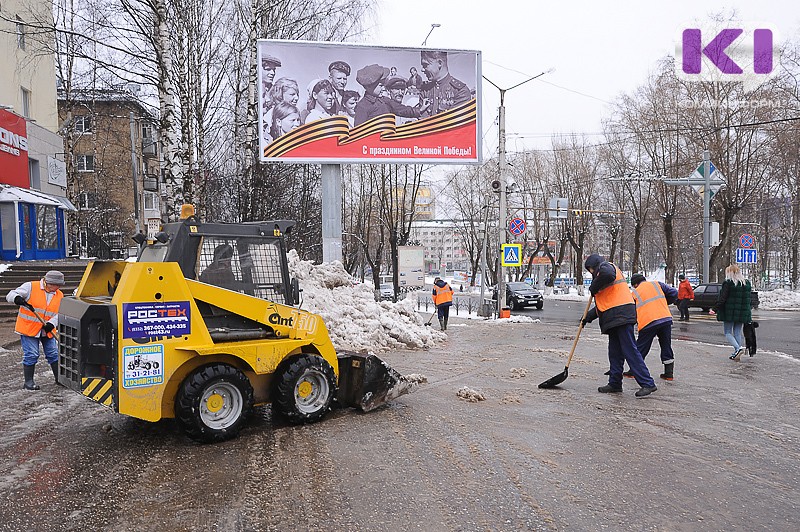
[
  {"x": 28, "y": 372},
  {"x": 441, "y": 323},
  {"x": 54, "y": 367},
  {"x": 608, "y": 388},
  {"x": 667, "y": 375},
  {"x": 445, "y": 322}
]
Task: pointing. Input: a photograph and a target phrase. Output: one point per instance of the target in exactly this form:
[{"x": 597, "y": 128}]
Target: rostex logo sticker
[{"x": 747, "y": 52}]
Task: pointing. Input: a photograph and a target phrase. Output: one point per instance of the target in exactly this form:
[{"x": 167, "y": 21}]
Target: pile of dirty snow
[
  {"x": 354, "y": 319},
  {"x": 779, "y": 299}
]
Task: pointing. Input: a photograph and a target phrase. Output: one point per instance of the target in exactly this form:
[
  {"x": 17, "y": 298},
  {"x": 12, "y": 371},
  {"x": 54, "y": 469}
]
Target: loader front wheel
[
  {"x": 304, "y": 389},
  {"x": 213, "y": 403}
]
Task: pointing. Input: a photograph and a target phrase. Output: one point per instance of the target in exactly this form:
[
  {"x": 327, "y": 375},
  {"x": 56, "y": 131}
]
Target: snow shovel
[
  {"x": 552, "y": 382},
  {"x": 41, "y": 319},
  {"x": 428, "y": 323}
]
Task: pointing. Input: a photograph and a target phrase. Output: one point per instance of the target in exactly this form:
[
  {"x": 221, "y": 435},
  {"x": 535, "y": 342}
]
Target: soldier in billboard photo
[
  {"x": 322, "y": 102},
  {"x": 442, "y": 89},
  {"x": 396, "y": 86},
  {"x": 269, "y": 65},
  {"x": 338, "y": 72},
  {"x": 374, "y": 103}
]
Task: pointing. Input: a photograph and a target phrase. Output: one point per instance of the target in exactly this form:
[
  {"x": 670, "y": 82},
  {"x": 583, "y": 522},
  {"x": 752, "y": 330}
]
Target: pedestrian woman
[{"x": 733, "y": 308}]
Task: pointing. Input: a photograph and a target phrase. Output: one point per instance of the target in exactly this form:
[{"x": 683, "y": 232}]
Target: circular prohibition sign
[{"x": 517, "y": 226}]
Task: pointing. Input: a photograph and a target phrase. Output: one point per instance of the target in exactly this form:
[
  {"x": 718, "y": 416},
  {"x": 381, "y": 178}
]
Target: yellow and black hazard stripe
[{"x": 98, "y": 389}]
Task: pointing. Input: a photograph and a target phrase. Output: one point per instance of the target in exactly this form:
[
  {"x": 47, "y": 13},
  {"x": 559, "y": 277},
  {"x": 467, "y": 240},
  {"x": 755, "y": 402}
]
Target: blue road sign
[
  {"x": 746, "y": 256},
  {"x": 512, "y": 255},
  {"x": 517, "y": 226}
]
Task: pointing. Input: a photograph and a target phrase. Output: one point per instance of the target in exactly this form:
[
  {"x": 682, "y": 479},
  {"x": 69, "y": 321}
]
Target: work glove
[
  {"x": 19, "y": 300},
  {"x": 48, "y": 327},
  {"x": 585, "y": 322}
]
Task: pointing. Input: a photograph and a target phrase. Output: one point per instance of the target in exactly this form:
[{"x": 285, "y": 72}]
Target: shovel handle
[
  {"x": 54, "y": 332},
  {"x": 580, "y": 328}
]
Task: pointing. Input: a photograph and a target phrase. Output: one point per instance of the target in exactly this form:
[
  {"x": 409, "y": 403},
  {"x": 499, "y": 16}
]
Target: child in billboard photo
[
  {"x": 285, "y": 117},
  {"x": 349, "y": 101},
  {"x": 322, "y": 102},
  {"x": 283, "y": 90}
]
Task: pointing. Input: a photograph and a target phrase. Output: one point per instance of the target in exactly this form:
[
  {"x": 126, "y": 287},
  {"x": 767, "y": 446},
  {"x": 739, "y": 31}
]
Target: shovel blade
[{"x": 552, "y": 382}]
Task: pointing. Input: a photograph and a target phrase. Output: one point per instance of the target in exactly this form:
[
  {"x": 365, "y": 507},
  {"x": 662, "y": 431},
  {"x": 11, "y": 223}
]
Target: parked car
[
  {"x": 705, "y": 296},
  {"x": 387, "y": 291},
  {"x": 519, "y": 295}
]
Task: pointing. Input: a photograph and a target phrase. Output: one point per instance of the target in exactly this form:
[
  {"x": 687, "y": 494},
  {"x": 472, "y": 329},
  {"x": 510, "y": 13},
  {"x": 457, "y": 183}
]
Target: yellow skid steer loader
[{"x": 203, "y": 327}]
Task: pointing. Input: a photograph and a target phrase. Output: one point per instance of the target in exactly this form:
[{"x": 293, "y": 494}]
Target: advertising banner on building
[
  {"x": 341, "y": 102},
  {"x": 13, "y": 150}
]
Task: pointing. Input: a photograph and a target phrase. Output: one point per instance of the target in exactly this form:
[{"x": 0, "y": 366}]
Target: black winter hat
[
  {"x": 593, "y": 261},
  {"x": 681, "y": 277},
  {"x": 637, "y": 278}
]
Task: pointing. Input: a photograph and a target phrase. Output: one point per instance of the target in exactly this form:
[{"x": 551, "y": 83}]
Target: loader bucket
[{"x": 367, "y": 382}]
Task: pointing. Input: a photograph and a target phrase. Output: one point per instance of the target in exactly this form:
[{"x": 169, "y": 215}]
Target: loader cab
[{"x": 249, "y": 257}]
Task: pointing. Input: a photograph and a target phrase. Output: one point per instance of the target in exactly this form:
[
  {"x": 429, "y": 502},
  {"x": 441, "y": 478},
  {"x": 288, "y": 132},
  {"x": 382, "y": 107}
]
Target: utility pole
[
  {"x": 503, "y": 215},
  {"x": 134, "y": 166},
  {"x": 706, "y": 214},
  {"x": 706, "y": 182}
]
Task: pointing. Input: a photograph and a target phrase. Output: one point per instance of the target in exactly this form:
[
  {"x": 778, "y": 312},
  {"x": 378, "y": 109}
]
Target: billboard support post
[{"x": 331, "y": 212}]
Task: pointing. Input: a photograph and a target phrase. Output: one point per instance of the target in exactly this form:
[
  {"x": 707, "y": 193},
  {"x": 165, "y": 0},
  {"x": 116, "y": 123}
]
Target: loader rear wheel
[
  {"x": 304, "y": 389},
  {"x": 213, "y": 403}
]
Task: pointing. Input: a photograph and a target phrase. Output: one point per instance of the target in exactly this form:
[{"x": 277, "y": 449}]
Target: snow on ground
[
  {"x": 354, "y": 319},
  {"x": 779, "y": 299}
]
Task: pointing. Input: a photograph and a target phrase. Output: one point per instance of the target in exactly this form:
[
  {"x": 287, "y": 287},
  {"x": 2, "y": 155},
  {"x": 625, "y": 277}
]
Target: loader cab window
[
  {"x": 219, "y": 264},
  {"x": 248, "y": 265}
]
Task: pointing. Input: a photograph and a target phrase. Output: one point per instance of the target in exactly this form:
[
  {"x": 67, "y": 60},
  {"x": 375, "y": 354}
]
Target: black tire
[
  {"x": 213, "y": 403},
  {"x": 305, "y": 387},
  {"x": 540, "y": 305},
  {"x": 512, "y": 305}
]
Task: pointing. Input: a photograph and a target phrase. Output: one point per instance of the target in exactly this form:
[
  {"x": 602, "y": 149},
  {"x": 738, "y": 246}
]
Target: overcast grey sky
[{"x": 598, "y": 50}]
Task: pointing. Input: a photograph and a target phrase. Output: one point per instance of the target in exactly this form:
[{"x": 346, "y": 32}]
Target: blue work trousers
[
  {"x": 30, "y": 349},
  {"x": 664, "y": 333},
  {"x": 622, "y": 348}
]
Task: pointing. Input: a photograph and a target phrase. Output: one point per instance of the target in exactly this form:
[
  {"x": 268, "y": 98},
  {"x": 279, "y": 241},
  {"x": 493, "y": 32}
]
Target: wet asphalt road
[{"x": 717, "y": 449}]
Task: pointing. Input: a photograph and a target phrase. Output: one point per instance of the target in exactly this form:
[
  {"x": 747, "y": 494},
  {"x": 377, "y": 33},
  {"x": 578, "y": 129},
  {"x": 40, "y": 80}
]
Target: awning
[{"x": 10, "y": 194}]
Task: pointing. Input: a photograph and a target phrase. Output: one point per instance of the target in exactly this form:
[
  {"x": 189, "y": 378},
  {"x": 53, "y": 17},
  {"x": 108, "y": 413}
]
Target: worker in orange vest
[
  {"x": 42, "y": 298},
  {"x": 616, "y": 309},
  {"x": 654, "y": 319},
  {"x": 443, "y": 299}
]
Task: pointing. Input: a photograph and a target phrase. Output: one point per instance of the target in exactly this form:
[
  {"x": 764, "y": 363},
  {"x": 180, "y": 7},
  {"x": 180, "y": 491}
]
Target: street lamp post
[
  {"x": 503, "y": 215},
  {"x": 433, "y": 27}
]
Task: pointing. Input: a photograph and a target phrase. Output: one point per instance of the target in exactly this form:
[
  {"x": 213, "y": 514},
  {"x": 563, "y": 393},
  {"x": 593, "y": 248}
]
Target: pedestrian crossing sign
[{"x": 512, "y": 255}]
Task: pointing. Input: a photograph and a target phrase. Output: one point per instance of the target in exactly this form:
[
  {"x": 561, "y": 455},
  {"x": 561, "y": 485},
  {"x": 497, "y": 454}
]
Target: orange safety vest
[
  {"x": 651, "y": 304},
  {"x": 614, "y": 295},
  {"x": 442, "y": 294},
  {"x": 27, "y": 322}
]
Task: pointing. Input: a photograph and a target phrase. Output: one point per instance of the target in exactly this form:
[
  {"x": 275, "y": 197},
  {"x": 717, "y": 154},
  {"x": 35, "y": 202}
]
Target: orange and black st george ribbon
[{"x": 383, "y": 125}]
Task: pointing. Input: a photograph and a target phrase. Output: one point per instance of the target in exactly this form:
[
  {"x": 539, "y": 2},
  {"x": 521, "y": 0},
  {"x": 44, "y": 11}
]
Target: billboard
[
  {"x": 411, "y": 267},
  {"x": 335, "y": 103},
  {"x": 13, "y": 150}
]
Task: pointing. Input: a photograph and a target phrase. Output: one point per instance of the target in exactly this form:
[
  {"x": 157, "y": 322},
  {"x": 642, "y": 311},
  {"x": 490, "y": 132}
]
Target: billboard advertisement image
[{"x": 333, "y": 103}]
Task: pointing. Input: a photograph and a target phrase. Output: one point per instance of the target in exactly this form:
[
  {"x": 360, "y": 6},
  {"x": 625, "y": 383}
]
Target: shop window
[{"x": 46, "y": 227}]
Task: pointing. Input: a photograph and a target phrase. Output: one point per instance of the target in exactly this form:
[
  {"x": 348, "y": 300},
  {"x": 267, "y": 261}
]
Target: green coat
[{"x": 733, "y": 303}]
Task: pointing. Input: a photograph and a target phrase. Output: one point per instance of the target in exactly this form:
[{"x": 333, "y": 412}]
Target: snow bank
[
  {"x": 354, "y": 319},
  {"x": 779, "y": 299}
]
